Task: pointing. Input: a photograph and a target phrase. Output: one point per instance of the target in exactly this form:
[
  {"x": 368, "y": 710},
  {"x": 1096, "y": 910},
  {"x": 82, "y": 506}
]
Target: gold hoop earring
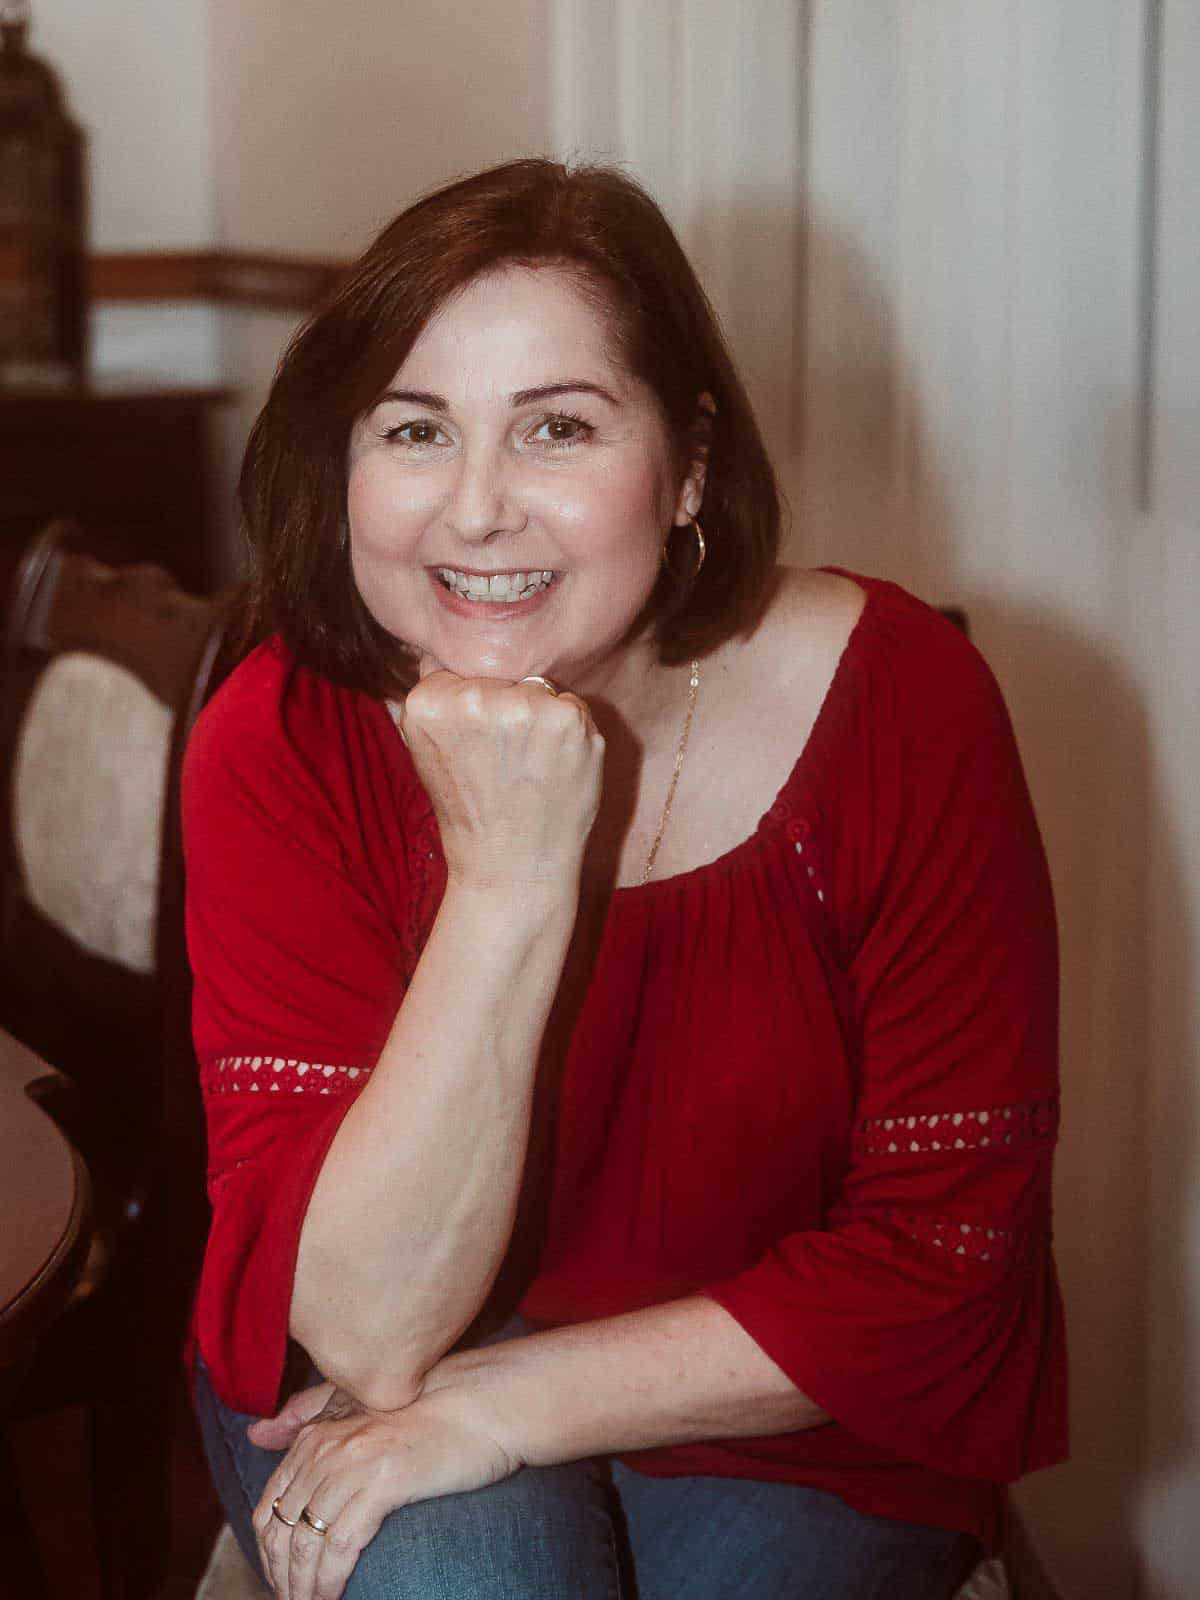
[
  {"x": 701, "y": 551},
  {"x": 701, "y": 547}
]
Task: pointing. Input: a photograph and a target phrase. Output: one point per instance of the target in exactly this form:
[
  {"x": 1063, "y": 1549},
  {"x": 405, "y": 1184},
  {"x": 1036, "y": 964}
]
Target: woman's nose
[{"x": 483, "y": 497}]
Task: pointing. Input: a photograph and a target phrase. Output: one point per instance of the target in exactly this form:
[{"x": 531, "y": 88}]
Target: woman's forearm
[
  {"x": 414, "y": 1206},
  {"x": 678, "y": 1373}
]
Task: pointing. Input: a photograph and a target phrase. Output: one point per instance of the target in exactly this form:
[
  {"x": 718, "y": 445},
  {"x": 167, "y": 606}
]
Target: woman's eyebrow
[
  {"x": 416, "y": 397},
  {"x": 429, "y": 401},
  {"x": 548, "y": 391}
]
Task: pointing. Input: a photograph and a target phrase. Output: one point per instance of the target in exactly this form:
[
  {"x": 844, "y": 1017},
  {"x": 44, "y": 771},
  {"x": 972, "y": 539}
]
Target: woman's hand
[
  {"x": 513, "y": 772},
  {"x": 279, "y": 1432},
  {"x": 349, "y": 1468}
]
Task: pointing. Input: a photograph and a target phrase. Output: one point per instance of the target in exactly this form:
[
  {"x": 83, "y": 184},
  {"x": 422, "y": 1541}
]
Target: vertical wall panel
[
  {"x": 1075, "y": 689},
  {"x": 955, "y": 243},
  {"x": 704, "y": 103},
  {"x": 1166, "y": 579},
  {"x": 651, "y": 94},
  {"x": 584, "y": 109},
  {"x": 841, "y": 476}
]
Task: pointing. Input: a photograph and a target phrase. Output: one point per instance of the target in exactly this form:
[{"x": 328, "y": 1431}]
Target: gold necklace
[{"x": 693, "y": 687}]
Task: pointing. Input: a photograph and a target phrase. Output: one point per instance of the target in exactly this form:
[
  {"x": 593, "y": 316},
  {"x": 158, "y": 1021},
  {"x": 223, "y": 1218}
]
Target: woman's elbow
[
  {"x": 383, "y": 1391},
  {"x": 375, "y": 1378}
]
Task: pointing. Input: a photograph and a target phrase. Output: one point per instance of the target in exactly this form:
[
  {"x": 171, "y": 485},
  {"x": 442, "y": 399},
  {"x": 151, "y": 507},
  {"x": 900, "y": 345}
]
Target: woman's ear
[{"x": 691, "y": 491}]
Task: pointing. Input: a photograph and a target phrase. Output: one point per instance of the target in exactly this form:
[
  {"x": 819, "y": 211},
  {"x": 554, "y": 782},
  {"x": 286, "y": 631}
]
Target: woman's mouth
[{"x": 495, "y": 588}]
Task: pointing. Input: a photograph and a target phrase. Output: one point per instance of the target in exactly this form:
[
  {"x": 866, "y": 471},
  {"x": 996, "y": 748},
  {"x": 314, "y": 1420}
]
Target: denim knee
[{"x": 546, "y": 1533}]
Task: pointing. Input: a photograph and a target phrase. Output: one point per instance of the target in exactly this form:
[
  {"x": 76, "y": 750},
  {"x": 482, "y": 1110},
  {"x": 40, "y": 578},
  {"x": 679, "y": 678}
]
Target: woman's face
[{"x": 510, "y": 494}]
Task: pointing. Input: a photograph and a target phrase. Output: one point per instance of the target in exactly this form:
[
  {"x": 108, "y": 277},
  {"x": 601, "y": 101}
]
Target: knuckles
[
  {"x": 486, "y": 703},
  {"x": 359, "y": 1446}
]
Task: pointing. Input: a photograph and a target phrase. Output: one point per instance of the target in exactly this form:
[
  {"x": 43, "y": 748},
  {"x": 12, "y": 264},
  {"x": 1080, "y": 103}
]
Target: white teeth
[{"x": 505, "y": 587}]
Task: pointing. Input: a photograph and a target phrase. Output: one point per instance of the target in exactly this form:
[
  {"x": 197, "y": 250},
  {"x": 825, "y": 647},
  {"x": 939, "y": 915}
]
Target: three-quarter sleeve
[
  {"x": 298, "y": 974},
  {"x": 924, "y": 1315}
]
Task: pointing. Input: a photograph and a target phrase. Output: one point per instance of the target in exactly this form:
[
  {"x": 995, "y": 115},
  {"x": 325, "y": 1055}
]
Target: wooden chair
[{"x": 104, "y": 671}]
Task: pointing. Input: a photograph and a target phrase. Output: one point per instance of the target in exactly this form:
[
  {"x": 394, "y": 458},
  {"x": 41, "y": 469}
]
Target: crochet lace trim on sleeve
[
  {"x": 964, "y": 1241},
  {"x": 278, "y": 1075},
  {"x": 1001, "y": 1128}
]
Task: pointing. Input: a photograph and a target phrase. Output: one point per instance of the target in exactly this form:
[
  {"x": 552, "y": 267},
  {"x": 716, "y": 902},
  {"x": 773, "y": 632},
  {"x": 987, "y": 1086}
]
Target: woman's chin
[{"x": 503, "y": 667}]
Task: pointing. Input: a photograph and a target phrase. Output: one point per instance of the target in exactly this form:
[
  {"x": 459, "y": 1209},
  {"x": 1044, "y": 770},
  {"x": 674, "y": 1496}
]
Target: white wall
[
  {"x": 329, "y": 119},
  {"x": 1164, "y": 564},
  {"x": 135, "y": 76}
]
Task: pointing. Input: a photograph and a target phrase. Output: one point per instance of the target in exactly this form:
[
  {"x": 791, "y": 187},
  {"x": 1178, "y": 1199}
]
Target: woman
[{"x": 625, "y": 973}]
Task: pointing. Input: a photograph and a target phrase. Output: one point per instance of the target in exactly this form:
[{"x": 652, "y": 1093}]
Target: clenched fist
[{"x": 513, "y": 772}]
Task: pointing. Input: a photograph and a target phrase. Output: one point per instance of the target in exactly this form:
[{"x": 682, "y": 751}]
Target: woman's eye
[
  {"x": 561, "y": 430},
  {"x": 418, "y": 433}
]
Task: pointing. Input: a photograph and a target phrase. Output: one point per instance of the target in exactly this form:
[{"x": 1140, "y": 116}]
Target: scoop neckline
[{"x": 824, "y": 725}]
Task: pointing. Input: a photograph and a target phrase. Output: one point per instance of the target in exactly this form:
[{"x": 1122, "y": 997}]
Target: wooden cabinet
[{"x": 132, "y": 458}]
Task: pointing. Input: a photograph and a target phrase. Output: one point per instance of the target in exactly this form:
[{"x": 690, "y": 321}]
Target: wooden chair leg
[{"x": 22, "y": 1576}]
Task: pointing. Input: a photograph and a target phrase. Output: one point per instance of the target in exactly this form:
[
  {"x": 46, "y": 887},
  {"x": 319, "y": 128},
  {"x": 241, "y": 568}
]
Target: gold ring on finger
[
  {"x": 275, "y": 1512},
  {"x": 317, "y": 1524},
  {"x": 536, "y": 677}
]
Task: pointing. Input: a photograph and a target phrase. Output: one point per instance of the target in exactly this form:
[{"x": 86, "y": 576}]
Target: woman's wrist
[
  {"x": 635, "y": 1382},
  {"x": 510, "y": 930},
  {"x": 501, "y": 900}
]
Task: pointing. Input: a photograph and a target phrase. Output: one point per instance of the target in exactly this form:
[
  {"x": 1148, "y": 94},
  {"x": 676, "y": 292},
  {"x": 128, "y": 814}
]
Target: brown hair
[{"x": 595, "y": 222}]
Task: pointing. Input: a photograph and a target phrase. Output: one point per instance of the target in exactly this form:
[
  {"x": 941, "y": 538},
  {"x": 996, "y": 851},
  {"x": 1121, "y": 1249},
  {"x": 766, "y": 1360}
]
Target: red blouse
[{"x": 814, "y": 1079}]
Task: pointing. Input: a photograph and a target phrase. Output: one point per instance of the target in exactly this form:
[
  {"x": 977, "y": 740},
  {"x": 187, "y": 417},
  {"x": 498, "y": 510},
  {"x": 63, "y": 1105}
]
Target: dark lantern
[{"x": 42, "y": 264}]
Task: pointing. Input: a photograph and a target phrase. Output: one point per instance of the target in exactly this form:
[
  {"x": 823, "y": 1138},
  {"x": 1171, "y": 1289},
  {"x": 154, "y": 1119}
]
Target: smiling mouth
[{"x": 497, "y": 588}]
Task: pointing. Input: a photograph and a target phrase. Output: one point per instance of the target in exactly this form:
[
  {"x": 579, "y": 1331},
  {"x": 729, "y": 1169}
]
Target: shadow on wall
[{"x": 866, "y": 493}]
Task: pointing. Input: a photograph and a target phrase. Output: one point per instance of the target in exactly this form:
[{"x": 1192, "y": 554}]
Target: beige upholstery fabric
[
  {"x": 229, "y": 1578},
  {"x": 88, "y": 798},
  {"x": 988, "y": 1582}
]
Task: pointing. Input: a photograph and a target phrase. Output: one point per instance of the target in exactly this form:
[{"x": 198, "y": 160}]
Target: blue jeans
[{"x": 594, "y": 1530}]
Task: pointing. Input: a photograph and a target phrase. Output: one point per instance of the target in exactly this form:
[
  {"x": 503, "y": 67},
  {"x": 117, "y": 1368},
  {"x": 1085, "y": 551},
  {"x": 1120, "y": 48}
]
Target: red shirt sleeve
[
  {"x": 925, "y": 1316},
  {"x": 299, "y": 970}
]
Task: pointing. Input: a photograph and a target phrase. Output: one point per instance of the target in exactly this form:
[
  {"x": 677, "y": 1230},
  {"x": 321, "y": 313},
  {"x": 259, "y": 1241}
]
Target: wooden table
[
  {"x": 44, "y": 1235},
  {"x": 44, "y": 1207}
]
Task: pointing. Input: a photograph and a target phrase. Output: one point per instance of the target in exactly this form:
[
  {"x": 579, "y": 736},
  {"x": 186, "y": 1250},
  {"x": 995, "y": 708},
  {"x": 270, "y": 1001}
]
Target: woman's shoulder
[
  {"x": 837, "y": 607},
  {"x": 819, "y": 605},
  {"x": 797, "y": 643},
  {"x": 913, "y": 741},
  {"x": 274, "y": 722},
  {"x": 884, "y": 633},
  {"x": 858, "y": 660},
  {"x": 241, "y": 730},
  {"x": 824, "y": 624},
  {"x": 252, "y": 700}
]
